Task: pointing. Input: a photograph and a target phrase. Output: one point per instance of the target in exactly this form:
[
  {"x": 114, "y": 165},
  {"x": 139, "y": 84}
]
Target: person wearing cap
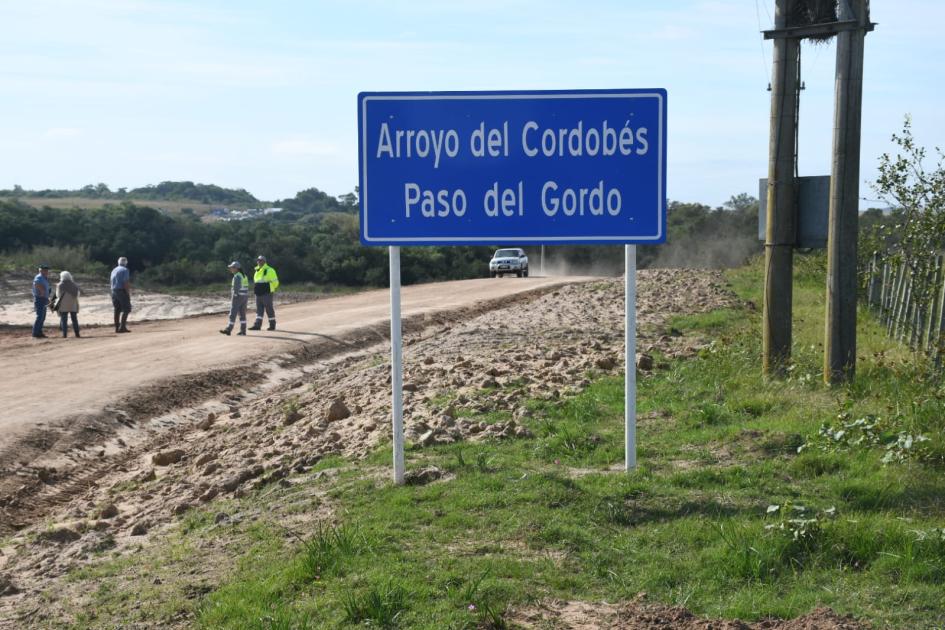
[
  {"x": 40, "y": 299},
  {"x": 265, "y": 283},
  {"x": 239, "y": 296},
  {"x": 121, "y": 295}
]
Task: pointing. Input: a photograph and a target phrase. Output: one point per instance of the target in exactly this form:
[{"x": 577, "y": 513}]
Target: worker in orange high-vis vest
[{"x": 265, "y": 283}]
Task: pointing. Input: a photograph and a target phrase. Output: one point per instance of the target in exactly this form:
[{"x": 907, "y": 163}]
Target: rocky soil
[
  {"x": 641, "y": 615},
  {"x": 548, "y": 348}
]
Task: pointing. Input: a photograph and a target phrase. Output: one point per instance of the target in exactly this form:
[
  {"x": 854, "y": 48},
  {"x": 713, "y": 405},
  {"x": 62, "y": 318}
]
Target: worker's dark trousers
[{"x": 264, "y": 303}]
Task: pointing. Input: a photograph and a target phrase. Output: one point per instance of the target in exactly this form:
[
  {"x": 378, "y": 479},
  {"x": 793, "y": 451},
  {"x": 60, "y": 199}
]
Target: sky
[{"x": 262, "y": 95}]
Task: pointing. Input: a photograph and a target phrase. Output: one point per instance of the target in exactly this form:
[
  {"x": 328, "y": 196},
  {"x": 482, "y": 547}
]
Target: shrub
[{"x": 73, "y": 258}]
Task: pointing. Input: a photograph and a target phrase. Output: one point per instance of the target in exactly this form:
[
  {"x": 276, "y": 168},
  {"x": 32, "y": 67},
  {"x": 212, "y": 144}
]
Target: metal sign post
[
  {"x": 513, "y": 168},
  {"x": 396, "y": 366},
  {"x": 630, "y": 352}
]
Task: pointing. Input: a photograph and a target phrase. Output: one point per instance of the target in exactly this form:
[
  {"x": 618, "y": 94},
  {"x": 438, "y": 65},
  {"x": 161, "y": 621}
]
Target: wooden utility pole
[
  {"x": 840, "y": 347},
  {"x": 780, "y": 232}
]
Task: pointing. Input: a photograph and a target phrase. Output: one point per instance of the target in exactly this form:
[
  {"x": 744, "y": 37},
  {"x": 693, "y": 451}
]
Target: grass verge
[{"x": 723, "y": 515}]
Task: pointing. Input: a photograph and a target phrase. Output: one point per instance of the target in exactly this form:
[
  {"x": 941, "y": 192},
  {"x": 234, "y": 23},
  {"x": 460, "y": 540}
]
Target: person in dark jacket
[{"x": 40, "y": 299}]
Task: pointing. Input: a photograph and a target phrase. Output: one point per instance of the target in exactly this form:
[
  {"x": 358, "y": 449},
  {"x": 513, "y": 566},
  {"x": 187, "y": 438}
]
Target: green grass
[
  {"x": 173, "y": 207},
  {"x": 522, "y": 520}
]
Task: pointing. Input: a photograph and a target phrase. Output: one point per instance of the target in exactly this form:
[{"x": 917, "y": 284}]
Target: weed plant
[{"x": 379, "y": 605}]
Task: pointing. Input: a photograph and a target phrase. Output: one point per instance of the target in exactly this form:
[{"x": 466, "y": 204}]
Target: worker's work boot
[
  {"x": 124, "y": 324},
  {"x": 272, "y": 324},
  {"x": 257, "y": 325},
  {"x": 242, "y": 332},
  {"x": 117, "y": 322},
  {"x": 226, "y": 331}
]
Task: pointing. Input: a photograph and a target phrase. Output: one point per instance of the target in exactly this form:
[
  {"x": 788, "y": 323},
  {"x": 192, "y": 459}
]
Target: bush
[
  {"x": 72, "y": 258},
  {"x": 183, "y": 272}
]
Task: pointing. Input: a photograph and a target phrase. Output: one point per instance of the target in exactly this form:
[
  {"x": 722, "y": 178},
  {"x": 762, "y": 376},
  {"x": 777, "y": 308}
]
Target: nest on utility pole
[{"x": 811, "y": 12}]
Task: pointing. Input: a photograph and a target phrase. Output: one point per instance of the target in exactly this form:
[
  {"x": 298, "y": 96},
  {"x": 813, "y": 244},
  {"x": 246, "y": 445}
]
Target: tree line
[
  {"x": 165, "y": 191},
  {"x": 307, "y": 202},
  {"x": 315, "y": 239},
  {"x": 165, "y": 250}
]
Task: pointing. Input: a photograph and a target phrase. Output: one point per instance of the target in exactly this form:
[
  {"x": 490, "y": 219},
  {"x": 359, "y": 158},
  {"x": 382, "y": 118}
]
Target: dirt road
[
  {"x": 102, "y": 538},
  {"x": 45, "y": 381},
  {"x": 121, "y": 489}
]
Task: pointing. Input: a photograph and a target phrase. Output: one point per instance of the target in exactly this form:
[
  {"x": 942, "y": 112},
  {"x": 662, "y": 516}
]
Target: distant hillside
[
  {"x": 204, "y": 193},
  {"x": 173, "y": 208},
  {"x": 210, "y": 194},
  {"x": 311, "y": 204}
]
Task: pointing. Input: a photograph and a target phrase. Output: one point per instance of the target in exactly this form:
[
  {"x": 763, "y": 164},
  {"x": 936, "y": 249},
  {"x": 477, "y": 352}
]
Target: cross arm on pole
[{"x": 817, "y": 30}]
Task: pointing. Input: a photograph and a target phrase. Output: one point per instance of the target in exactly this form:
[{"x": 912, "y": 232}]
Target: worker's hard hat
[{"x": 234, "y": 265}]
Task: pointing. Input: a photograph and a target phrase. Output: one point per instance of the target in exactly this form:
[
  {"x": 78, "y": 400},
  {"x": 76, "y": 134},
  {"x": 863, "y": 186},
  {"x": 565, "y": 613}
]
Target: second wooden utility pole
[
  {"x": 780, "y": 233},
  {"x": 840, "y": 350}
]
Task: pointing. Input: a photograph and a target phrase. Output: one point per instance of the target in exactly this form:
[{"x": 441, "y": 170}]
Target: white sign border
[{"x": 661, "y": 199}]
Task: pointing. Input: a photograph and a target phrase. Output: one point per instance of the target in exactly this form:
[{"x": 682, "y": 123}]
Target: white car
[{"x": 509, "y": 261}]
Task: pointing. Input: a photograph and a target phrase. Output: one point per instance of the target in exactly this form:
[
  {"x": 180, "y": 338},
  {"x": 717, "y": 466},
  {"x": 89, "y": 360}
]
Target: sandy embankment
[
  {"x": 95, "y": 304},
  {"x": 333, "y": 398}
]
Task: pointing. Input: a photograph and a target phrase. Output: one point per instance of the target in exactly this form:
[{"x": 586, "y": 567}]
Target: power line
[
  {"x": 770, "y": 19},
  {"x": 761, "y": 41}
]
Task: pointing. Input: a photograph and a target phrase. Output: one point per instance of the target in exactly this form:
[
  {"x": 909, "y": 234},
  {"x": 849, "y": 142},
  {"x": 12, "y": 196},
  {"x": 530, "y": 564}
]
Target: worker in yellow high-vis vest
[{"x": 265, "y": 283}]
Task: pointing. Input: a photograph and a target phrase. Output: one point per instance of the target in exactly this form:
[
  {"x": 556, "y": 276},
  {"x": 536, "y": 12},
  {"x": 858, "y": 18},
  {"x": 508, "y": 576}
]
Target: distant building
[{"x": 242, "y": 215}]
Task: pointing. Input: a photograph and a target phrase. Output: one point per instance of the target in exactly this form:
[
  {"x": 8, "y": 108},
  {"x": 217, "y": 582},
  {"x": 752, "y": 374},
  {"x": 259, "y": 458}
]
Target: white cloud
[
  {"x": 59, "y": 133},
  {"x": 673, "y": 32},
  {"x": 304, "y": 147}
]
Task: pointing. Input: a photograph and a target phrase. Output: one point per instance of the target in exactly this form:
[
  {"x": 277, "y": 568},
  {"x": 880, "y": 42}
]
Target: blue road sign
[{"x": 483, "y": 168}]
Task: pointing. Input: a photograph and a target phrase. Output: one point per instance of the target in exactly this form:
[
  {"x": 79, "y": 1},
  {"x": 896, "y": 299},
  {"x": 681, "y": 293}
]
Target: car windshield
[{"x": 507, "y": 253}]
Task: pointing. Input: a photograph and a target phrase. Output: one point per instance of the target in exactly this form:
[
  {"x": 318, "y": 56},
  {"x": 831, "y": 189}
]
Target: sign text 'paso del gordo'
[{"x": 478, "y": 168}]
